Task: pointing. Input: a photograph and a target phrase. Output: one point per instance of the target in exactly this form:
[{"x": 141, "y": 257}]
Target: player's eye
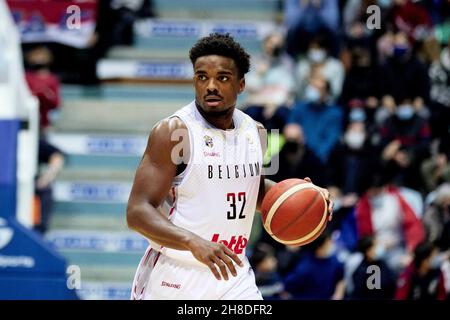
[
  {"x": 201, "y": 77},
  {"x": 223, "y": 78}
]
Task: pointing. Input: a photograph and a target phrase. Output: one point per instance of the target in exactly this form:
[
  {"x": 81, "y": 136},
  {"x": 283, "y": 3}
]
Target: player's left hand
[{"x": 327, "y": 197}]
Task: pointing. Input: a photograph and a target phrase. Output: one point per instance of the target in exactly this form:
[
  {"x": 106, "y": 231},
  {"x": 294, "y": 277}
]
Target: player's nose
[{"x": 212, "y": 85}]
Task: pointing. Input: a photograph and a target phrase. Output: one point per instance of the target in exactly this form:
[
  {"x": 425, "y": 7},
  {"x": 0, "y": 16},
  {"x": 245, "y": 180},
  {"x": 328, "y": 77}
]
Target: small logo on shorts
[{"x": 170, "y": 285}]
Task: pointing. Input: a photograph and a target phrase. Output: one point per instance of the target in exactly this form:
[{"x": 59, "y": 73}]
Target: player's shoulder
[
  {"x": 168, "y": 132},
  {"x": 259, "y": 125},
  {"x": 168, "y": 126}
]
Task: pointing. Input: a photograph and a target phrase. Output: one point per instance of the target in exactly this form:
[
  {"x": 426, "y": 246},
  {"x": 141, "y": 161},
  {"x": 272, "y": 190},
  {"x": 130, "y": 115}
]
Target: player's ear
[{"x": 241, "y": 85}]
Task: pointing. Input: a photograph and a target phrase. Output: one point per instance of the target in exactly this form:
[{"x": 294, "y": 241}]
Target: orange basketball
[{"x": 294, "y": 212}]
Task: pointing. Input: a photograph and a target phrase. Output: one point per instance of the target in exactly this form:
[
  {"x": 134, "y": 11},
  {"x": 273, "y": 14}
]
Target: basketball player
[{"x": 213, "y": 185}]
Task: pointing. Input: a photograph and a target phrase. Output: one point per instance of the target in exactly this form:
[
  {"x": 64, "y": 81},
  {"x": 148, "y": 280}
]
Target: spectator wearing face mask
[
  {"x": 423, "y": 279},
  {"x": 321, "y": 121},
  {"x": 388, "y": 214},
  {"x": 403, "y": 75},
  {"x": 270, "y": 84},
  {"x": 318, "y": 60},
  {"x": 373, "y": 256},
  {"x": 405, "y": 138},
  {"x": 353, "y": 158},
  {"x": 350, "y": 162},
  {"x": 319, "y": 275},
  {"x": 297, "y": 160}
]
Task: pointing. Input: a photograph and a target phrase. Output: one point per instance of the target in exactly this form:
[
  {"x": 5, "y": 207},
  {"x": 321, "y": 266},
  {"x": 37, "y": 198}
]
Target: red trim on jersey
[
  {"x": 148, "y": 255},
  {"x": 173, "y": 202},
  {"x": 156, "y": 259},
  {"x": 170, "y": 212}
]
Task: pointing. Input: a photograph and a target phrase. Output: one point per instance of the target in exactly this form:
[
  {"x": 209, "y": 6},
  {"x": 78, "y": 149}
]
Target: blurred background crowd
[
  {"x": 362, "y": 105},
  {"x": 365, "y": 113}
]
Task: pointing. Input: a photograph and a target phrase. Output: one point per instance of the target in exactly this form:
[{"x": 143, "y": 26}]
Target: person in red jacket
[
  {"x": 384, "y": 213},
  {"x": 423, "y": 279},
  {"x": 43, "y": 83},
  {"x": 412, "y": 18}
]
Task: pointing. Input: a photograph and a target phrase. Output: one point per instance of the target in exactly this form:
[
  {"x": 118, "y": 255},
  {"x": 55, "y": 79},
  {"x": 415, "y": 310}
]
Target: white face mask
[
  {"x": 317, "y": 55},
  {"x": 312, "y": 94},
  {"x": 380, "y": 252},
  {"x": 436, "y": 262},
  {"x": 405, "y": 112},
  {"x": 377, "y": 201},
  {"x": 354, "y": 140}
]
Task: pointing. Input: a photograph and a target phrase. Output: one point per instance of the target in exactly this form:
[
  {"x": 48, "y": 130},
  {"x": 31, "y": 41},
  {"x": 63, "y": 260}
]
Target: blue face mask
[
  {"x": 312, "y": 94},
  {"x": 405, "y": 112},
  {"x": 400, "y": 51},
  {"x": 317, "y": 55}
]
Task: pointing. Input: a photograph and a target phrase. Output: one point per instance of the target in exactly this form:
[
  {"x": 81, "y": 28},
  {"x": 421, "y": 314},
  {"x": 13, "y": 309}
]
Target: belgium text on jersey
[{"x": 234, "y": 171}]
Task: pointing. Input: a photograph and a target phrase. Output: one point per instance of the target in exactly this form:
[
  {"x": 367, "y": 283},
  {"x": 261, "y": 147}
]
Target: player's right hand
[{"x": 215, "y": 255}]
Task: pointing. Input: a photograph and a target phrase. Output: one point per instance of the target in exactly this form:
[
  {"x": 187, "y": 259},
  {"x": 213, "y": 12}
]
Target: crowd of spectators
[{"x": 366, "y": 112}]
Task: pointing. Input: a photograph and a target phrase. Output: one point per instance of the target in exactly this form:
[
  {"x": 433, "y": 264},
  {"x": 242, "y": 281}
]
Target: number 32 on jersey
[{"x": 237, "y": 203}]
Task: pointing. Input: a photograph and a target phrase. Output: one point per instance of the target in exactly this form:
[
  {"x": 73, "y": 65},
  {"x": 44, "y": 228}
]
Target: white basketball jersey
[{"x": 215, "y": 197}]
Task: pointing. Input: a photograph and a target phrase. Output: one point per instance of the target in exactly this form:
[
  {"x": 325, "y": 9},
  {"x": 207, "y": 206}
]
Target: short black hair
[
  {"x": 364, "y": 244},
  {"x": 320, "y": 241},
  {"x": 221, "y": 45},
  {"x": 322, "y": 41},
  {"x": 260, "y": 252}
]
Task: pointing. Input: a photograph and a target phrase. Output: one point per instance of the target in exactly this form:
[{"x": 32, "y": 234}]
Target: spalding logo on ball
[{"x": 294, "y": 212}]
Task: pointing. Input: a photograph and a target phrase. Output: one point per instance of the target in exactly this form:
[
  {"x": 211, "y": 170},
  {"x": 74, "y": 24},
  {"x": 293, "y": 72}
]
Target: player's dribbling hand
[
  {"x": 327, "y": 197},
  {"x": 215, "y": 255}
]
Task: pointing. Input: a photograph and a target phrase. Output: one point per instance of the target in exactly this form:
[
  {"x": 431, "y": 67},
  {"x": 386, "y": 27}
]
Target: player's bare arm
[
  {"x": 151, "y": 185},
  {"x": 266, "y": 184}
]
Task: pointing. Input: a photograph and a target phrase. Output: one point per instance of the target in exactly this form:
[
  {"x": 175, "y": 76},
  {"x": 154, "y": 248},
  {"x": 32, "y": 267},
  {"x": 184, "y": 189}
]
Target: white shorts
[{"x": 159, "y": 277}]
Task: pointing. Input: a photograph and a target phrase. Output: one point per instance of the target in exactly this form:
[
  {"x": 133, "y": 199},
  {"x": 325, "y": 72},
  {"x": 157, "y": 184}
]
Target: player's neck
[{"x": 220, "y": 120}]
